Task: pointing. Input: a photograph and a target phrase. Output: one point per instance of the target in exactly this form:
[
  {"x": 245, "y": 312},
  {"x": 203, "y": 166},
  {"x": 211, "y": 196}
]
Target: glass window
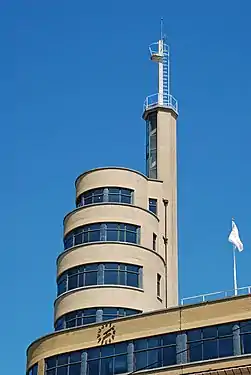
[
  {"x": 154, "y": 241},
  {"x": 107, "y": 194},
  {"x": 102, "y": 232},
  {"x": 158, "y": 284},
  {"x": 153, "y": 205},
  {"x": 99, "y": 274},
  {"x": 88, "y": 316}
]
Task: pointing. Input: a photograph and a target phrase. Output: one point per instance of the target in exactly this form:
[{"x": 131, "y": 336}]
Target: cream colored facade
[
  {"x": 174, "y": 319},
  {"x": 162, "y": 260}
]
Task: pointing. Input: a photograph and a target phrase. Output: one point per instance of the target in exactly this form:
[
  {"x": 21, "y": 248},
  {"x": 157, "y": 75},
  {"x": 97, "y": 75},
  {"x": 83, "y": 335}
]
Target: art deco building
[{"x": 117, "y": 309}]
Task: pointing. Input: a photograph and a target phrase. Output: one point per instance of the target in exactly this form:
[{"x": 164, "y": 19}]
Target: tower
[
  {"x": 120, "y": 261},
  {"x": 120, "y": 243}
]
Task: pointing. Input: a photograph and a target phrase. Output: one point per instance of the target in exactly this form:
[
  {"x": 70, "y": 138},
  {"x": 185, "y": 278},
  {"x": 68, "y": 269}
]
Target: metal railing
[
  {"x": 217, "y": 295},
  {"x": 168, "y": 101}
]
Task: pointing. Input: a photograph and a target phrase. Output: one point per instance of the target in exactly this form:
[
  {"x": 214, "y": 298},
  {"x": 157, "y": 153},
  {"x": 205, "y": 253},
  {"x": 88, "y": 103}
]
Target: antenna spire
[{"x": 161, "y": 28}]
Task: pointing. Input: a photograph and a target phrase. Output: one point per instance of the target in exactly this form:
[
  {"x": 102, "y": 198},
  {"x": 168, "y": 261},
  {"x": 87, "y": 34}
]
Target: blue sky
[{"x": 74, "y": 76}]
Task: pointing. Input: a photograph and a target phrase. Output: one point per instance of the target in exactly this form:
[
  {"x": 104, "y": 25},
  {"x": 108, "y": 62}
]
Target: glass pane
[
  {"x": 93, "y": 353},
  {"x": 51, "y": 362},
  {"x": 121, "y": 348},
  {"x": 225, "y": 330},
  {"x": 153, "y": 342},
  {"x": 111, "y": 277},
  {"x": 98, "y": 198},
  {"x": 94, "y": 235},
  {"x": 132, "y": 279},
  {"x": 75, "y": 357},
  {"x": 226, "y": 347},
  {"x": 245, "y": 327},
  {"x": 246, "y": 343},
  {"x": 120, "y": 364},
  {"x": 210, "y": 349},
  {"x": 114, "y": 190},
  {"x": 89, "y": 319},
  {"x": 93, "y": 367},
  {"x": 141, "y": 360},
  {"x": 106, "y": 366},
  {"x": 169, "y": 339},
  {"x": 78, "y": 239},
  {"x": 81, "y": 279},
  {"x": 114, "y": 197},
  {"x": 91, "y": 278},
  {"x": 62, "y": 286},
  {"x": 127, "y": 192},
  {"x": 75, "y": 369},
  {"x": 70, "y": 323},
  {"x": 169, "y": 356},
  {"x": 112, "y": 235},
  {"x": 72, "y": 282},
  {"x": 126, "y": 199},
  {"x": 51, "y": 372},
  {"x": 140, "y": 344},
  {"x": 68, "y": 241},
  {"x": 88, "y": 200},
  {"x": 195, "y": 352},
  {"x": 107, "y": 351},
  {"x": 209, "y": 332},
  {"x": 154, "y": 358},
  {"x": 63, "y": 359},
  {"x": 62, "y": 370},
  {"x": 194, "y": 335},
  {"x": 131, "y": 237},
  {"x": 132, "y": 268}
]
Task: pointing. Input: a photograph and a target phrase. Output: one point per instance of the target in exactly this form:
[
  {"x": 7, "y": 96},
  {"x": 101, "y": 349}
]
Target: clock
[{"x": 106, "y": 334}]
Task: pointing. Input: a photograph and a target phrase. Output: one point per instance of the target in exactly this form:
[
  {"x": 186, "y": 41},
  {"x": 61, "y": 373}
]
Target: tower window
[
  {"x": 154, "y": 241},
  {"x": 100, "y": 274},
  {"x": 92, "y": 315},
  {"x": 121, "y": 232},
  {"x": 151, "y": 146},
  {"x": 153, "y": 205},
  {"x": 158, "y": 284},
  {"x": 107, "y": 194}
]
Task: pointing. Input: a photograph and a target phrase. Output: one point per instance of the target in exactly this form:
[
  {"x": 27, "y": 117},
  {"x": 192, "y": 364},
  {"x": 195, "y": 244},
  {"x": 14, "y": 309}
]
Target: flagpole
[{"x": 235, "y": 273}]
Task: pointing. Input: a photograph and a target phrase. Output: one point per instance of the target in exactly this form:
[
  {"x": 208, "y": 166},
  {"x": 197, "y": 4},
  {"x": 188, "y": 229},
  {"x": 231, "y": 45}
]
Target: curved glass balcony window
[
  {"x": 100, "y": 274},
  {"x": 96, "y": 232},
  {"x": 93, "y": 315},
  {"x": 107, "y": 194}
]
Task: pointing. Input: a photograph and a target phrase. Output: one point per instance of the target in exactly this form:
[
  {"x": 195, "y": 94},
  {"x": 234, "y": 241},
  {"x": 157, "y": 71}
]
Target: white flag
[{"x": 234, "y": 237}]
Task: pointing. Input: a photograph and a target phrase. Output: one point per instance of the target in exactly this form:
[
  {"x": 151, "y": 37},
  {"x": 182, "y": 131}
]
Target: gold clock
[{"x": 106, "y": 334}]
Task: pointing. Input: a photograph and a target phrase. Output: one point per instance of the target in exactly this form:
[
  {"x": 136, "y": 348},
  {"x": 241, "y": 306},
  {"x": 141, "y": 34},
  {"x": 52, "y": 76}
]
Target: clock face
[{"x": 106, "y": 334}]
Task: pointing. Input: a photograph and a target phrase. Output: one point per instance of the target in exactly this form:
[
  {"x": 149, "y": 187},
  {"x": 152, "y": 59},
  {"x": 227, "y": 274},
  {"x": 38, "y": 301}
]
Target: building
[{"x": 117, "y": 310}]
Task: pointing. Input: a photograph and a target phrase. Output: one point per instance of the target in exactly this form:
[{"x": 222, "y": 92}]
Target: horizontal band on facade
[
  {"x": 108, "y": 204},
  {"x": 65, "y": 252},
  {"x": 113, "y": 169},
  {"x": 82, "y": 288}
]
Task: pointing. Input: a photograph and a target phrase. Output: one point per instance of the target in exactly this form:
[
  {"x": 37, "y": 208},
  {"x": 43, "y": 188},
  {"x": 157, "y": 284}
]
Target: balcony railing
[
  {"x": 217, "y": 295},
  {"x": 167, "y": 101}
]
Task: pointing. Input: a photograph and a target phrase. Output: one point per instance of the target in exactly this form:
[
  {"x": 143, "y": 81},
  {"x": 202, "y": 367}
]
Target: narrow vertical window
[
  {"x": 153, "y": 205},
  {"x": 154, "y": 241},
  {"x": 158, "y": 284}
]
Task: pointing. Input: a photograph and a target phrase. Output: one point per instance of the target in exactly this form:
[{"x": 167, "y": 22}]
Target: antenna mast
[{"x": 159, "y": 52}]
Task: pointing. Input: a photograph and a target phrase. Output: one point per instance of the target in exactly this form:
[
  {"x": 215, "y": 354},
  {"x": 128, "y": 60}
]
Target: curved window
[
  {"x": 100, "y": 274},
  {"x": 87, "y": 316},
  {"x": 107, "y": 194},
  {"x": 96, "y": 232}
]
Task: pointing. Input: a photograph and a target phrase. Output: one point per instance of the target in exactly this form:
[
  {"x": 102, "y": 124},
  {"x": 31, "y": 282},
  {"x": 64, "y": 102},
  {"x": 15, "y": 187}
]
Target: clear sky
[{"x": 74, "y": 75}]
